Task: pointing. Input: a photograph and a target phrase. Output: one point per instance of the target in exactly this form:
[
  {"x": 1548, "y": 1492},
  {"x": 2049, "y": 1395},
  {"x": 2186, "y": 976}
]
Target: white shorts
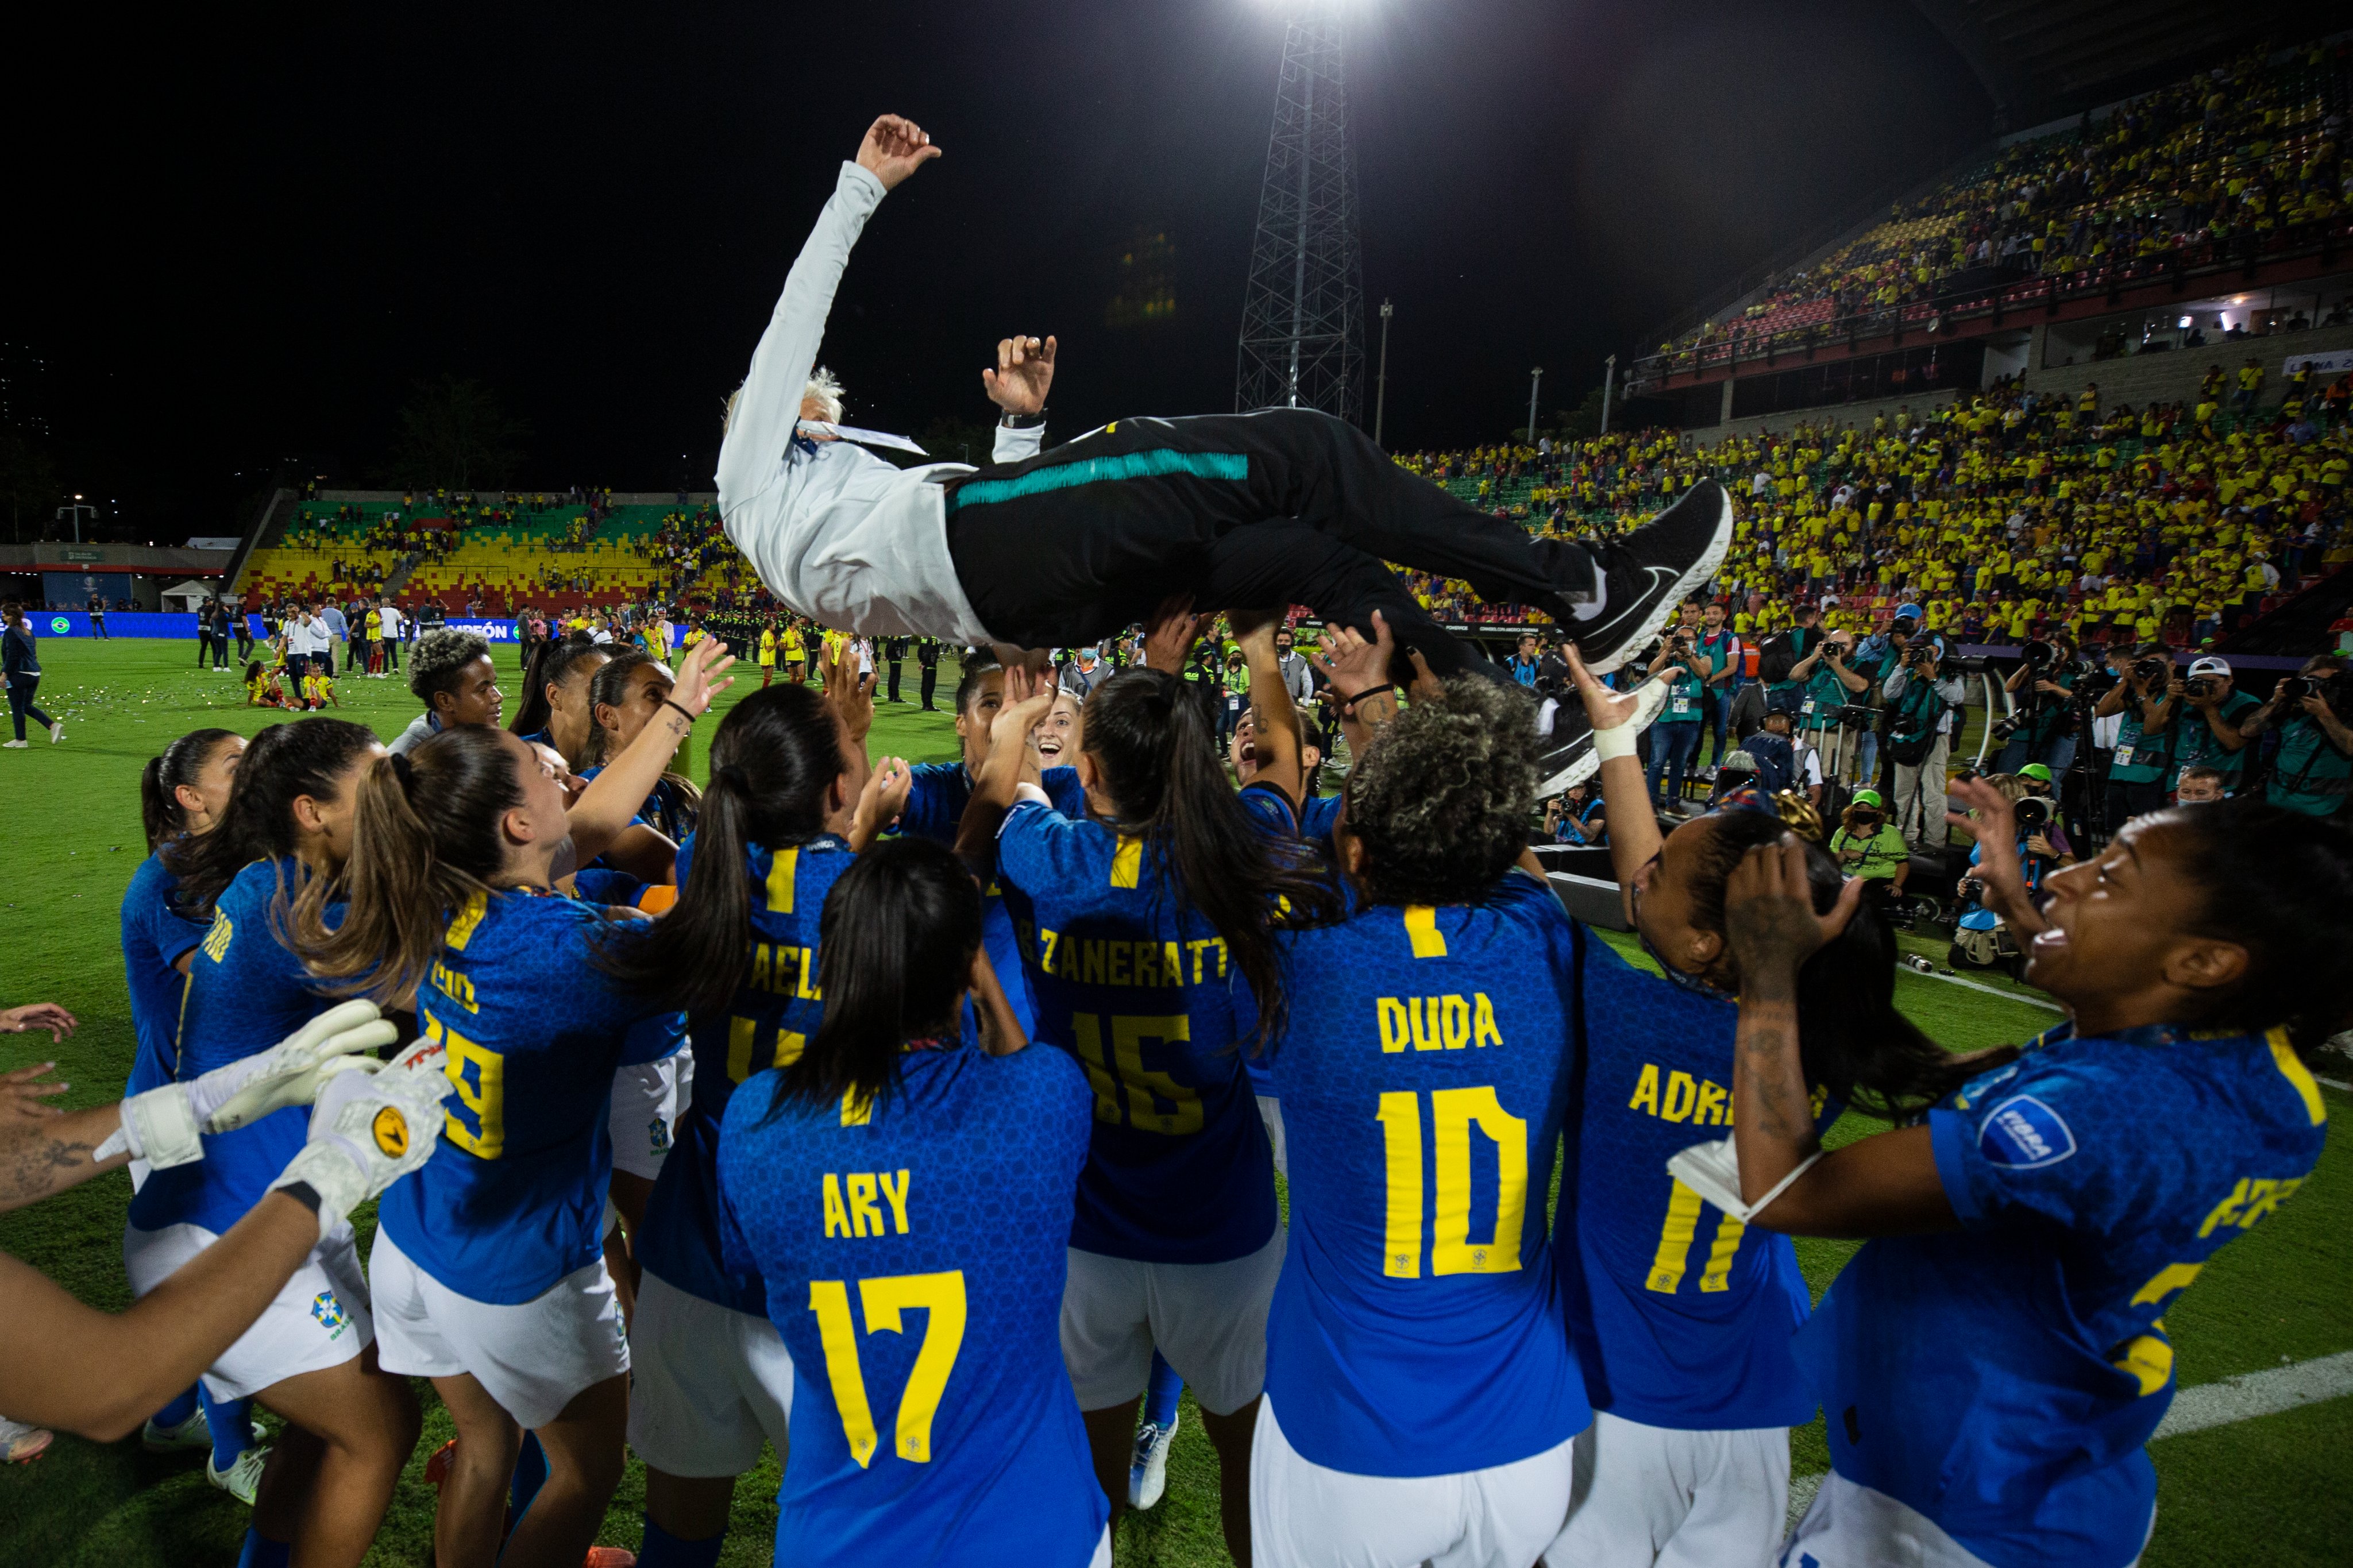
[
  {"x": 1653, "y": 1495},
  {"x": 1852, "y": 1526},
  {"x": 533, "y": 1358},
  {"x": 1270, "y": 1110},
  {"x": 707, "y": 1384},
  {"x": 1208, "y": 1320},
  {"x": 319, "y": 1318},
  {"x": 646, "y": 1100},
  {"x": 1305, "y": 1515}
]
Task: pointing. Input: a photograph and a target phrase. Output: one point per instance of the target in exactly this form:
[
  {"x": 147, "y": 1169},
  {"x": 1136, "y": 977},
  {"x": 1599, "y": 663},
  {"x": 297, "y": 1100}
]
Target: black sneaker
[
  {"x": 1567, "y": 758},
  {"x": 1650, "y": 571}
]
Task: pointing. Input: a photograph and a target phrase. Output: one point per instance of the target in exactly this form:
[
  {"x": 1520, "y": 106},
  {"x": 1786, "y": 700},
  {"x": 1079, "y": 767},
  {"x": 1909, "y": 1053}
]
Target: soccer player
[
  {"x": 1422, "y": 1398},
  {"x": 487, "y": 1268},
  {"x": 453, "y": 676},
  {"x": 1994, "y": 1363},
  {"x": 906, "y": 1199},
  {"x": 710, "y": 1376},
  {"x": 767, "y": 653},
  {"x": 1680, "y": 1317},
  {"x": 1278, "y": 507},
  {"x": 182, "y": 793},
  {"x": 1141, "y": 922},
  {"x": 555, "y": 708},
  {"x": 308, "y": 1357}
]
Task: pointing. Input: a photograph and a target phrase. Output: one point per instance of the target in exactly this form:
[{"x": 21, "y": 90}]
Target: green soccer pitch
[{"x": 2270, "y": 1490}]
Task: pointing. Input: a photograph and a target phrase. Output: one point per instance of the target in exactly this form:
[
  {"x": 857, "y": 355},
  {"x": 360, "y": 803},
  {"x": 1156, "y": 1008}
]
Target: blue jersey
[
  {"x": 1138, "y": 985},
  {"x": 777, "y": 1010},
  {"x": 245, "y": 992},
  {"x": 2002, "y": 1380},
  {"x": 514, "y": 1197},
  {"x": 1416, "y": 1329},
  {"x": 1680, "y": 1313},
  {"x": 914, "y": 1253},
  {"x": 934, "y": 808},
  {"x": 154, "y": 937},
  {"x": 667, "y": 812}
]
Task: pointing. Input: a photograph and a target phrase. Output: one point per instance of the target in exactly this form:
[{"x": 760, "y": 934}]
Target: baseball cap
[
  {"x": 2035, "y": 771},
  {"x": 2211, "y": 665},
  {"x": 1907, "y": 612},
  {"x": 1868, "y": 797}
]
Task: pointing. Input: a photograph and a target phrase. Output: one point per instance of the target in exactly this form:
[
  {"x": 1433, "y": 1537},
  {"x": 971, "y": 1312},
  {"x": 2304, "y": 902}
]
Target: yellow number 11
[
  {"x": 1452, "y": 1114},
  {"x": 940, "y": 1297}
]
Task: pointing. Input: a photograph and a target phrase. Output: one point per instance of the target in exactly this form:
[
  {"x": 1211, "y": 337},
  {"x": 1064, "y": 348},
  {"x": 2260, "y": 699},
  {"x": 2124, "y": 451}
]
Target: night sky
[{"x": 238, "y": 250}]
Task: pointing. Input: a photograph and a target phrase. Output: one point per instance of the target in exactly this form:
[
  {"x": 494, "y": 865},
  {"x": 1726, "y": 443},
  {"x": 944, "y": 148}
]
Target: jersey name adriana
[
  {"x": 1680, "y": 1313},
  {"x": 1417, "y": 1329}
]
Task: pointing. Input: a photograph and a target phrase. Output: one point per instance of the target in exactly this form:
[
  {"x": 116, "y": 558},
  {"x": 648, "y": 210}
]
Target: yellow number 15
[
  {"x": 940, "y": 1297},
  {"x": 1452, "y": 1114}
]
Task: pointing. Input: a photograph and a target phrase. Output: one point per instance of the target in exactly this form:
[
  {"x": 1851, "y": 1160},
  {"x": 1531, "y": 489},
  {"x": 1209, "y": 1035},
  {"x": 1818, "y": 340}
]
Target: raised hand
[
  {"x": 1604, "y": 709},
  {"x": 1025, "y": 369},
  {"x": 1029, "y": 698},
  {"x": 37, "y": 1015},
  {"x": 23, "y": 1090},
  {"x": 1424, "y": 687},
  {"x": 1350, "y": 663},
  {"x": 894, "y": 148},
  {"x": 882, "y": 801},
  {"x": 852, "y": 694},
  {"x": 697, "y": 687},
  {"x": 1769, "y": 915},
  {"x": 1168, "y": 638}
]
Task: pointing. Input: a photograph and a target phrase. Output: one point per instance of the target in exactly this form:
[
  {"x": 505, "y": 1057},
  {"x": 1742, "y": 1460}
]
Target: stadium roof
[{"x": 2042, "y": 58}]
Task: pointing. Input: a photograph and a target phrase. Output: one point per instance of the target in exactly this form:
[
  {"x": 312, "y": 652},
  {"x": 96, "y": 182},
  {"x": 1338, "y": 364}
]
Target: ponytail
[
  {"x": 771, "y": 761},
  {"x": 1851, "y": 1040},
  {"x": 425, "y": 843},
  {"x": 283, "y": 762},
  {"x": 1160, "y": 760},
  {"x": 895, "y": 946},
  {"x": 182, "y": 761},
  {"x": 552, "y": 662}
]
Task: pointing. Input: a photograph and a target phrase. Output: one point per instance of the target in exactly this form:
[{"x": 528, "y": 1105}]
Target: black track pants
[{"x": 1240, "y": 510}]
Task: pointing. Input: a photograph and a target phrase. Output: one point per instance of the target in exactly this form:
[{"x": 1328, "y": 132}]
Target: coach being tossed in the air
[{"x": 1064, "y": 548}]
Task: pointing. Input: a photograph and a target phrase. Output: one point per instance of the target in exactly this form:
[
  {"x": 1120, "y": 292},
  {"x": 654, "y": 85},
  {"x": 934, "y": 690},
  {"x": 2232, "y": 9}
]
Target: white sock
[{"x": 1586, "y": 609}]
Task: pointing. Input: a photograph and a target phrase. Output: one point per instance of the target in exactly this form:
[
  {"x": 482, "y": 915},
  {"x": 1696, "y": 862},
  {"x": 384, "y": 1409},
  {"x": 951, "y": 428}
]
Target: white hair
[{"x": 824, "y": 388}]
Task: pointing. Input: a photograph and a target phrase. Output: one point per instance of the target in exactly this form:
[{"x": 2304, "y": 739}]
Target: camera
[
  {"x": 2035, "y": 655},
  {"x": 2199, "y": 687},
  {"x": 2153, "y": 670},
  {"x": 2033, "y": 814},
  {"x": 2295, "y": 688},
  {"x": 1973, "y": 890},
  {"x": 1920, "y": 654},
  {"x": 2336, "y": 689}
]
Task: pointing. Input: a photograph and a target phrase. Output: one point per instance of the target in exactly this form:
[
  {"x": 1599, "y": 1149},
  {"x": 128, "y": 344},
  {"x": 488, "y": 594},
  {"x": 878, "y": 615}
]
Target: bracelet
[
  {"x": 1348, "y": 706},
  {"x": 668, "y": 703},
  {"x": 303, "y": 1193},
  {"x": 1021, "y": 421},
  {"x": 1617, "y": 740}
]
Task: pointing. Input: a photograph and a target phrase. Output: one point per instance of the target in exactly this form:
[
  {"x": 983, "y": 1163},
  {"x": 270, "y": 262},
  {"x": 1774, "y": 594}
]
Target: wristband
[
  {"x": 1348, "y": 706},
  {"x": 1615, "y": 741},
  {"x": 303, "y": 1193},
  {"x": 1022, "y": 421},
  {"x": 668, "y": 703}
]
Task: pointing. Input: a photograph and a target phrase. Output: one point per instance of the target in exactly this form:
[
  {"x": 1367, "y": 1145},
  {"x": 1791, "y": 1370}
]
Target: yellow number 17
[{"x": 941, "y": 1298}]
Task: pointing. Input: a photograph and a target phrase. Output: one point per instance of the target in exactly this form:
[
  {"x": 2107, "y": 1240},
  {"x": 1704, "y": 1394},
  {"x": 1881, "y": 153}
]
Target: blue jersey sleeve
[
  {"x": 937, "y": 794},
  {"x": 2048, "y": 1145},
  {"x": 1040, "y": 848},
  {"x": 1271, "y": 810}
]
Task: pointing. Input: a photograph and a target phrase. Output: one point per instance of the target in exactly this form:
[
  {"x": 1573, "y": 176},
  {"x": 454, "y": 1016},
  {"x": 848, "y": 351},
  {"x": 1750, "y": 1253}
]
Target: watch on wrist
[{"x": 1022, "y": 421}]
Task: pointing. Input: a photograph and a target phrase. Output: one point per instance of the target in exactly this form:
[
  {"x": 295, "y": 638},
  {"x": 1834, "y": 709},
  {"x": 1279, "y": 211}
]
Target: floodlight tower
[{"x": 1302, "y": 342}]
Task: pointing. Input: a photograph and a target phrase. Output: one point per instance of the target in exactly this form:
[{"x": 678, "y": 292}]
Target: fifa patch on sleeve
[{"x": 2022, "y": 1133}]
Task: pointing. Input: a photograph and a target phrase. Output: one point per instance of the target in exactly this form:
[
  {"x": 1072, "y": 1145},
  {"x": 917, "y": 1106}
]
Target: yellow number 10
[
  {"x": 1452, "y": 1114},
  {"x": 940, "y": 1297}
]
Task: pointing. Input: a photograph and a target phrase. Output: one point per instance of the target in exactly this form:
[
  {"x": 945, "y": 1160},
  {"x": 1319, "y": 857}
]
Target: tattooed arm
[
  {"x": 45, "y": 1151},
  {"x": 1882, "y": 1185}
]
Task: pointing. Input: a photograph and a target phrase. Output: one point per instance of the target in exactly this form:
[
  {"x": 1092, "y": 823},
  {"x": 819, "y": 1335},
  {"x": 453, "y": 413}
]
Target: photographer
[
  {"x": 1777, "y": 657},
  {"x": 2142, "y": 762},
  {"x": 2043, "y": 723},
  {"x": 1867, "y": 845},
  {"x": 1576, "y": 817},
  {"x": 1921, "y": 700},
  {"x": 1981, "y": 939},
  {"x": 2314, "y": 764},
  {"x": 2211, "y": 736},
  {"x": 1674, "y": 736},
  {"x": 1828, "y": 687}
]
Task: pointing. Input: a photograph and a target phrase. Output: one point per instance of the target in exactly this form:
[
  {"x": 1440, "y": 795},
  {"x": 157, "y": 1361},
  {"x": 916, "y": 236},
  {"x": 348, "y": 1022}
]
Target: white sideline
[
  {"x": 2203, "y": 1406},
  {"x": 1989, "y": 990}
]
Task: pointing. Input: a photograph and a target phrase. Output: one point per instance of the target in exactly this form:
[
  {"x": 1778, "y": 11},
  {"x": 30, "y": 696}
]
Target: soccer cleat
[
  {"x": 1567, "y": 758},
  {"x": 1147, "y": 1478},
  {"x": 1650, "y": 571},
  {"x": 243, "y": 1477},
  {"x": 195, "y": 1432},
  {"x": 21, "y": 1444}
]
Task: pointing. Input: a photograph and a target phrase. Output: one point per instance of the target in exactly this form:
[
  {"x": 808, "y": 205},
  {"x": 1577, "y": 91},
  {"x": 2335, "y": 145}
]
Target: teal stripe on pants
[{"x": 1089, "y": 470}]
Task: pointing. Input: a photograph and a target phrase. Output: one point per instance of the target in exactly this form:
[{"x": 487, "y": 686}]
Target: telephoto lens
[
  {"x": 2152, "y": 669},
  {"x": 1914, "y": 962},
  {"x": 2032, "y": 814}
]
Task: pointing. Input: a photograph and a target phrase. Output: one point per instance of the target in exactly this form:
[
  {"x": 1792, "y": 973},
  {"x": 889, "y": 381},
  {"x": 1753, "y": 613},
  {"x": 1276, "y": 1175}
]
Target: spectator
[{"x": 20, "y": 663}]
